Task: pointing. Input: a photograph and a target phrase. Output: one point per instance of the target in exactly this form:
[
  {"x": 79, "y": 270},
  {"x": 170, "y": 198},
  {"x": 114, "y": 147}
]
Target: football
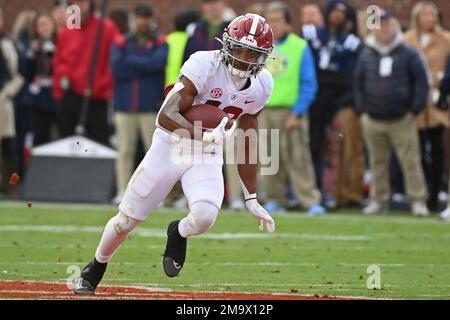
[{"x": 209, "y": 116}]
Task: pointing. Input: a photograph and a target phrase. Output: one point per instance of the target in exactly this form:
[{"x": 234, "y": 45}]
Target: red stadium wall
[{"x": 166, "y": 9}]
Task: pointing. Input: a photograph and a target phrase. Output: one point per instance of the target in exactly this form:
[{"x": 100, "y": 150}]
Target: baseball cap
[{"x": 385, "y": 14}]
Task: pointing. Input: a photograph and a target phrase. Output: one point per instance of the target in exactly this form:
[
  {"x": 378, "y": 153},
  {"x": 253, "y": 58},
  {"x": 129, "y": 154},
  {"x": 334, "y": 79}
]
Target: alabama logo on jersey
[{"x": 216, "y": 93}]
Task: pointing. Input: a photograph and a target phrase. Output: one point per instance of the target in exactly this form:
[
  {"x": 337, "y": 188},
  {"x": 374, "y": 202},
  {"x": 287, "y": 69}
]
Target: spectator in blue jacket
[
  {"x": 335, "y": 52},
  {"x": 211, "y": 25},
  {"x": 138, "y": 62}
]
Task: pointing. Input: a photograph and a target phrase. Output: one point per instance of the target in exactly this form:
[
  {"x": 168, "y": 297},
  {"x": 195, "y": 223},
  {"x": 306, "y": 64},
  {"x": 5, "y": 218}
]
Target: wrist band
[{"x": 250, "y": 197}]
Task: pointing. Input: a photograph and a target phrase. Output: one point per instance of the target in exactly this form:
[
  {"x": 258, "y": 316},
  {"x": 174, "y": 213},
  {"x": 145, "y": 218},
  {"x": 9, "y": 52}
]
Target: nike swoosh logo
[
  {"x": 248, "y": 101},
  {"x": 176, "y": 265}
]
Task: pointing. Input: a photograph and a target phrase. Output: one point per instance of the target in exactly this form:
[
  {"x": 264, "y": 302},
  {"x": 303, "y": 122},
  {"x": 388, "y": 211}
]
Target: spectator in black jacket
[
  {"x": 351, "y": 164},
  {"x": 391, "y": 87},
  {"x": 335, "y": 52}
]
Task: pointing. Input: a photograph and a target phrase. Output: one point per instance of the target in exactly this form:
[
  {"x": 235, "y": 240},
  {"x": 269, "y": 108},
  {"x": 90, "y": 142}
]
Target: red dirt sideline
[{"x": 60, "y": 291}]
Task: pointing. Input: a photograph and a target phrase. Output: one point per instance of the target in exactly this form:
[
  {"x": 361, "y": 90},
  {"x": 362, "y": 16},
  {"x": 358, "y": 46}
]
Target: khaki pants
[
  {"x": 129, "y": 126},
  {"x": 295, "y": 160},
  {"x": 403, "y": 137},
  {"x": 351, "y": 165}
]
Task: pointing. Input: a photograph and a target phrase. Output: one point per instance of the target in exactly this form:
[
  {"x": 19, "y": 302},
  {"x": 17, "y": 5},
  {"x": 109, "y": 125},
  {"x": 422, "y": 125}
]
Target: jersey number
[{"x": 231, "y": 110}]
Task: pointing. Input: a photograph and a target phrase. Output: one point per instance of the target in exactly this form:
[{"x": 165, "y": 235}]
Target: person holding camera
[
  {"x": 81, "y": 74},
  {"x": 43, "y": 107}
]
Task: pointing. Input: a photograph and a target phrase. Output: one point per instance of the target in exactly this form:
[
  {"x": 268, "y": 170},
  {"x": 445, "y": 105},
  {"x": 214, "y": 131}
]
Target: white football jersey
[{"x": 216, "y": 87}]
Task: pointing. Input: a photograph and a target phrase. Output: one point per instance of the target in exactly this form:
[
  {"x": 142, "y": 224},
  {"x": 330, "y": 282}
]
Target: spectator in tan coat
[
  {"x": 10, "y": 83},
  {"x": 427, "y": 36}
]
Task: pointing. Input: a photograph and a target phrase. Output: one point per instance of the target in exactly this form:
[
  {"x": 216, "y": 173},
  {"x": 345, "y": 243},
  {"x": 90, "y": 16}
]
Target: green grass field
[{"x": 322, "y": 255}]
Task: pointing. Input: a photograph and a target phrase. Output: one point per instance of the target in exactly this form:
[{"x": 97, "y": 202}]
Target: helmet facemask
[{"x": 238, "y": 67}]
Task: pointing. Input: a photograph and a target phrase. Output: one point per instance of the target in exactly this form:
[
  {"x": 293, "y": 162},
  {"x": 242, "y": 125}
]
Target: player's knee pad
[
  {"x": 203, "y": 215},
  {"x": 123, "y": 224}
]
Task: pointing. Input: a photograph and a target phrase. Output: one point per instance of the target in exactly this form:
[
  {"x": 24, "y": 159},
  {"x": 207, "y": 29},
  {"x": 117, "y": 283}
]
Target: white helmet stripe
[{"x": 254, "y": 24}]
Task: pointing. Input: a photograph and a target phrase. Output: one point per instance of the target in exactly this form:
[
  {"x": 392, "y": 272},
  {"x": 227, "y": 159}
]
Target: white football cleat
[
  {"x": 445, "y": 215},
  {"x": 419, "y": 209},
  {"x": 374, "y": 208}
]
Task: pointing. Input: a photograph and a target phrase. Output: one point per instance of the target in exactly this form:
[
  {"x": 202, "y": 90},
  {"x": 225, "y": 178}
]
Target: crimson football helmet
[{"x": 252, "y": 32}]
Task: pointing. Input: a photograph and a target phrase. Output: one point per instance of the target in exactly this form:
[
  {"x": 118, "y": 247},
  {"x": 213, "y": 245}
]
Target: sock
[
  {"x": 94, "y": 272},
  {"x": 116, "y": 231},
  {"x": 176, "y": 244}
]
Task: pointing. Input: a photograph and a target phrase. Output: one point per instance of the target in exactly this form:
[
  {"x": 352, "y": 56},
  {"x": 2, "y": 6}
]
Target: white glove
[
  {"x": 219, "y": 134},
  {"x": 351, "y": 43},
  {"x": 309, "y": 32},
  {"x": 260, "y": 214}
]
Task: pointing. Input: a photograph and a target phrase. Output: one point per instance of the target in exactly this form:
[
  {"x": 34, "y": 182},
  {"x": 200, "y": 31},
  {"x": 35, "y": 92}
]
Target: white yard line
[
  {"x": 161, "y": 233},
  {"x": 249, "y": 264},
  {"x": 57, "y": 205},
  {"x": 407, "y": 219}
]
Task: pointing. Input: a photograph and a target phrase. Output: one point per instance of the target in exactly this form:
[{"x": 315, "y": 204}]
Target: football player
[{"x": 232, "y": 79}]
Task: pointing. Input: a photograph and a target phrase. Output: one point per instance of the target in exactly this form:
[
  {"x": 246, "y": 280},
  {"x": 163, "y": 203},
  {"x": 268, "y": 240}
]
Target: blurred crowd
[{"x": 362, "y": 109}]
